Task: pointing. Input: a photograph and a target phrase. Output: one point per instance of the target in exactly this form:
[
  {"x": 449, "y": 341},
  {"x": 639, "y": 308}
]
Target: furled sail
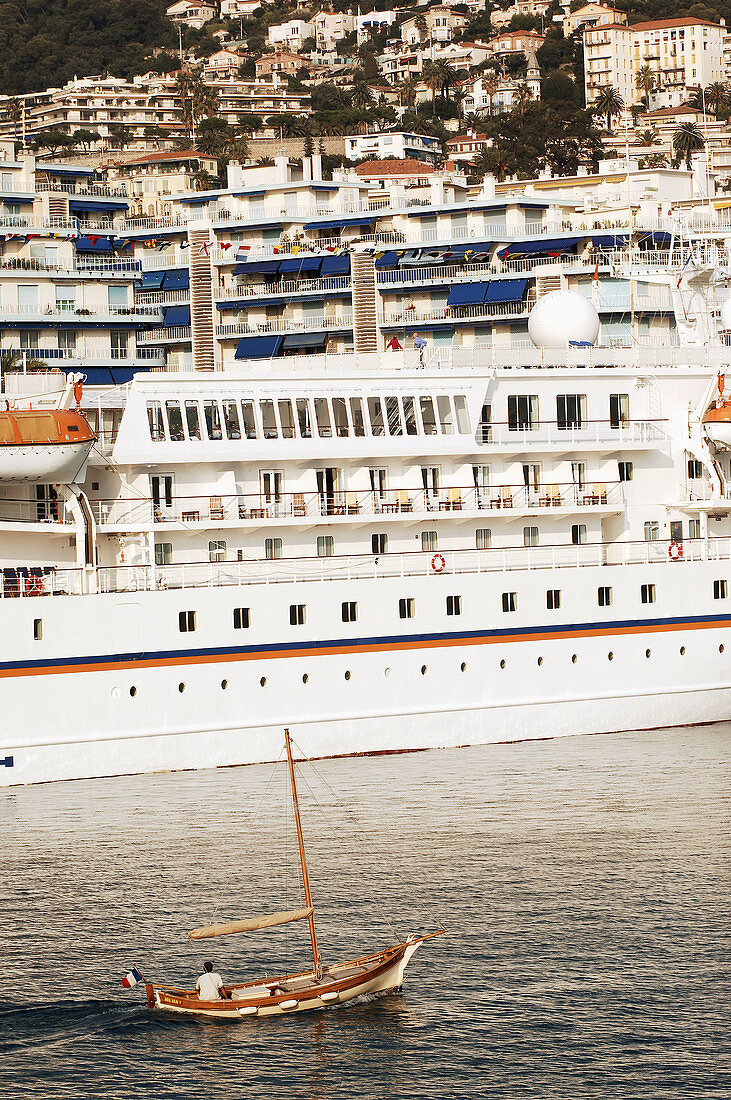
[{"x": 286, "y": 917}]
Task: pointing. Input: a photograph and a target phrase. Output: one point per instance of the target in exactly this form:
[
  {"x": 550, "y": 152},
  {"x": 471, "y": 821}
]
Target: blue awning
[
  {"x": 258, "y": 347},
  {"x": 506, "y": 290},
  {"x": 152, "y": 280},
  {"x": 388, "y": 259},
  {"x": 467, "y": 294},
  {"x": 662, "y": 240},
  {"x": 335, "y": 265},
  {"x": 257, "y": 267},
  {"x": 300, "y": 265},
  {"x": 541, "y": 247},
  {"x": 176, "y": 315},
  {"x": 18, "y": 200},
  {"x": 95, "y": 244},
  {"x": 86, "y": 206},
  {"x": 304, "y": 340},
  {"x": 342, "y": 223},
  {"x": 176, "y": 280},
  {"x": 609, "y": 240}
]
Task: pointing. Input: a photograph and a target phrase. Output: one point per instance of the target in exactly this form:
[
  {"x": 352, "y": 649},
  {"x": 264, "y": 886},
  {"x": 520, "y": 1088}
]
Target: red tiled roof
[
  {"x": 660, "y": 24},
  {"x": 408, "y": 166}
]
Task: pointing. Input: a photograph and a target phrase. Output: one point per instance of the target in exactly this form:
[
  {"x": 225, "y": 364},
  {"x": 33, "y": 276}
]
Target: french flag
[{"x": 132, "y": 978}]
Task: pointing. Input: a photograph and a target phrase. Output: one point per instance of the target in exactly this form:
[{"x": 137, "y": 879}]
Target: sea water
[{"x": 583, "y": 884}]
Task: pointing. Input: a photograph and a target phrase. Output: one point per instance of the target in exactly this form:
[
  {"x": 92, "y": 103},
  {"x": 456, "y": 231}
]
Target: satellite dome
[
  {"x": 563, "y": 317},
  {"x": 726, "y": 315}
]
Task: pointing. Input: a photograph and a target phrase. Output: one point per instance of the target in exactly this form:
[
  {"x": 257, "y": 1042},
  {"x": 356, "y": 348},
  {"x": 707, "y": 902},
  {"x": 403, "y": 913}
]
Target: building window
[
  {"x": 720, "y": 590},
  {"x": 163, "y": 553},
  {"x": 297, "y": 614},
  {"x": 530, "y": 536},
  {"x": 618, "y": 410},
  {"x": 429, "y": 541},
  {"x": 510, "y": 601},
  {"x": 379, "y": 543},
  {"x": 652, "y": 530},
  {"x": 647, "y": 593},
  {"x": 604, "y": 596},
  {"x": 217, "y": 551},
  {"x": 349, "y": 611},
  {"x": 522, "y": 412},
  {"x": 694, "y": 528},
  {"x": 272, "y": 548},
  {"x": 242, "y": 618},
  {"x": 454, "y": 605},
  {"x": 325, "y": 546},
  {"x": 186, "y": 621},
  {"x": 626, "y": 471},
  {"x": 406, "y": 608},
  {"x": 553, "y": 599},
  {"x": 695, "y": 469},
  {"x": 578, "y": 533},
  {"x": 483, "y": 538}
]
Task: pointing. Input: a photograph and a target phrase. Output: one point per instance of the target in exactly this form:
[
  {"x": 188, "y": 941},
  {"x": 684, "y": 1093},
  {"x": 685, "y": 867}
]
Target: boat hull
[{"x": 55, "y": 463}]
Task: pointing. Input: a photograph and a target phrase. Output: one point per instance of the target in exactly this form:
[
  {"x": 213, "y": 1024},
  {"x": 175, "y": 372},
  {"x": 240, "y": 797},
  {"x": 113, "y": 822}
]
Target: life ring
[
  {"x": 438, "y": 563},
  {"x": 675, "y": 551}
]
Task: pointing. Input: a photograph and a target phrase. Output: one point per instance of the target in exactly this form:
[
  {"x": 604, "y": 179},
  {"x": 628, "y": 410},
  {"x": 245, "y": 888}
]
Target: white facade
[
  {"x": 239, "y": 9},
  {"x": 191, "y": 13},
  {"x": 331, "y": 28},
  {"x": 418, "y": 146},
  {"x": 441, "y": 24},
  {"x": 291, "y": 35}
]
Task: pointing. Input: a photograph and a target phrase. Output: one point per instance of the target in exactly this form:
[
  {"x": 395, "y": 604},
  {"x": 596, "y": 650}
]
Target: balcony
[
  {"x": 590, "y": 433},
  {"x": 147, "y": 298},
  {"x": 408, "y": 317},
  {"x": 306, "y": 324},
  {"x": 49, "y": 513},
  {"x": 229, "y": 291},
  {"x": 48, "y": 314},
  {"x": 174, "y": 334},
  {"x": 9, "y": 223},
  {"x": 89, "y": 353},
  {"x": 90, "y": 190}
]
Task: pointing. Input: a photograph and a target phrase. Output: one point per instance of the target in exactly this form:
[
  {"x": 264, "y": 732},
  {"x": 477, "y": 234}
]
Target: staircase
[
  {"x": 365, "y": 327},
  {"x": 201, "y": 299}
]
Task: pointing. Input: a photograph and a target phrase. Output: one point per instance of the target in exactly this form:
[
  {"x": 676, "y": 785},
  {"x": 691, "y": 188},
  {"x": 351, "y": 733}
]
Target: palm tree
[
  {"x": 14, "y": 114},
  {"x": 522, "y": 97},
  {"x": 491, "y": 86},
  {"x": 645, "y": 81},
  {"x": 421, "y": 24},
  {"x": 687, "y": 140},
  {"x": 459, "y": 95},
  {"x": 407, "y": 92},
  {"x": 11, "y": 362},
  {"x": 608, "y": 103},
  {"x": 433, "y": 80},
  {"x": 197, "y": 98},
  {"x": 717, "y": 98},
  {"x": 447, "y": 75},
  {"x": 361, "y": 96},
  {"x": 648, "y": 137}
]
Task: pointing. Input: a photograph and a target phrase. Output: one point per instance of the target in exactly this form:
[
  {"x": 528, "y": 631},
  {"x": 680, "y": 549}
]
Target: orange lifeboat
[
  {"x": 717, "y": 420},
  {"x": 44, "y": 446}
]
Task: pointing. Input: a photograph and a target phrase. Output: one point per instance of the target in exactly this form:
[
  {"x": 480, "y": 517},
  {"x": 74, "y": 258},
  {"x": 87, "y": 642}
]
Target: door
[
  {"x": 161, "y": 486},
  {"x": 328, "y": 486},
  {"x": 676, "y": 530}
]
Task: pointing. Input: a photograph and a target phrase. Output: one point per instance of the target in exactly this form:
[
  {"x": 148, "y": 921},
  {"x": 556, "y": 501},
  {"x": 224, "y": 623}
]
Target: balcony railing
[
  {"x": 291, "y": 286},
  {"x": 172, "y": 333},
  {"x": 33, "y": 511},
  {"x": 87, "y": 350},
  {"x": 587, "y": 432},
  {"x": 48, "y": 313},
  {"x": 161, "y": 297},
  {"x": 92, "y": 190},
  {"x": 307, "y": 324},
  {"x": 408, "y": 317},
  {"x": 12, "y": 222}
]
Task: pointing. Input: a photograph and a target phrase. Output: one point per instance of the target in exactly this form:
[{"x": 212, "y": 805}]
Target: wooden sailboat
[{"x": 323, "y": 985}]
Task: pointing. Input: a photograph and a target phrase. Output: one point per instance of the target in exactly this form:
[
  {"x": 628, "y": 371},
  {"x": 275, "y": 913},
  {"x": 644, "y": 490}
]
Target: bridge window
[
  {"x": 510, "y": 601},
  {"x": 483, "y": 538},
  {"x": 303, "y": 418},
  {"x": 553, "y": 599},
  {"x": 192, "y": 420},
  {"x": 268, "y": 420},
  {"x": 570, "y": 410},
  {"x": 428, "y": 420},
  {"x": 175, "y": 421},
  {"x": 349, "y": 611},
  {"x": 375, "y": 415},
  {"x": 231, "y": 420},
  {"x": 322, "y": 415},
  {"x": 522, "y": 412},
  {"x": 249, "y": 419},
  {"x": 604, "y": 596},
  {"x": 272, "y": 549},
  {"x": 213, "y": 420},
  {"x": 720, "y": 590},
  {"x": 325, "y": 546},
  {"x": 379, "y": 543},
  {"x": 356, "y": 415},
  {"x": 340, "y": 416},
  {"x": 463, "y": 416},
  {"x": 410, "y": 416},
  {"x": 647, "y": 593},
  {"x": 297, "y": 614},
  {"x": 286, "y": 419},
  {"x": 454, "y": 605},
  {"x": 154, "y": 419},
  {"x": 407, "y": 608}
]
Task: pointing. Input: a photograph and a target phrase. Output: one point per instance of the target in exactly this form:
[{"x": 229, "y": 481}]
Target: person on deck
[
  {"x": 210, "y": 984},
  {"x": 394, "y": 344},
  {"x": 419, "y": 345}
]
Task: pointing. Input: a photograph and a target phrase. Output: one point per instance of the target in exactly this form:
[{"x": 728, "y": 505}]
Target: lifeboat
[
  {"x": 45, "y": 446},
  {"x": 717, "y": 420}
]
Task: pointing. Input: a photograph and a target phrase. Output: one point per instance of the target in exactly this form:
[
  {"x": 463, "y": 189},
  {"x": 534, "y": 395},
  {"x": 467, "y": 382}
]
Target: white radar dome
[
  {"x": 726, "y": 315},
  {"x": 563, "y": 317}
]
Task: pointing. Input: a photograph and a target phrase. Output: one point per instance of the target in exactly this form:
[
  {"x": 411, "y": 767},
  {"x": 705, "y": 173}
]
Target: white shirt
[{"x": 208, "y": 986}]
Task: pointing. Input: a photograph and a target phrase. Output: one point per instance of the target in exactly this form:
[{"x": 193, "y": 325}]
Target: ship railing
[
  {"x": 585, "y": 432},
  {"x": 86, "y": 350},
  {"x": 702, "y": 491},
  {"x": 18, "y": 510},
  {"x": 417, "y": 563},
  {"x": 213, "y": 511},
  {"x": 40, "y": 580}
]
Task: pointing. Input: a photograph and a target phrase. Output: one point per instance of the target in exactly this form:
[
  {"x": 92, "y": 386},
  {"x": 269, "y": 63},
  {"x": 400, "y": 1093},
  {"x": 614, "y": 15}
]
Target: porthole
[
  {"x": 648, "y": 653},
  {"x": 610, "y": 656},
  {"x": 721, "y": 648},
  {"x": 503, "y": 663},
  {"x": 387, "y": 672},
  {"x": 463, "y": 667},
  {"x": 540, "y": 661},
  {"x": 116, "y": 693},
  {"x": 347, "y": 674},
  {"x": 682, "y": 651},
  {"x": 305, "y": 678},
  {"x": 224, "y": 685},
  {"x": 574, "y": 658},
  {"x": 424, "y": 670},
  {"x": 181, "y": 688},
  {"x": 263, "y": 681},
  {"x": 133, "y": 691}
]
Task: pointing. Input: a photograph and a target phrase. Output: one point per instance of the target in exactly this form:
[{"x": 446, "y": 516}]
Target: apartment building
[
  {"x": 593, "y": 15},
  {"x": 331, "y": 28},
  {"x": 190, "y": 13},
  {"x": 682, "y": 54},
  {"x": 500, "y": 17},
  {"x": 513, "y": 42},
  {"x": 441, "y": 24},
  {"x": 280, "y": 61},
  {"x": 381, "y": 145},
  {"x": 483, "y": 99},
  {"x": 291, "y": 35},
  {"x": 153, "y": 179}
]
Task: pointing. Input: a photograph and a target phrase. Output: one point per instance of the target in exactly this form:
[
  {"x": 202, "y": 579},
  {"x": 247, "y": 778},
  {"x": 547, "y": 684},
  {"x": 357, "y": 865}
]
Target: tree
[
  {"x": 447, "y": 76},
  {"x": 459, "y": 95},
  {"x": 14, "y": 114},
  {"x": 648, "y": 137},
  {"x": 522, "y": 98},
  {"x": 11, "y": 362},
  {"x": 53, "y": 140},
  {"x": 491, "y": 86},
  {"x": 421, "y": 25},
  {"x": 197, "y": 99},
  {"x": 558, "y": 88},
  {"x": 645, "y": 81},
  {"x": 687, "y": 140},
  {"x": 608, "y": 103},
  {"x": 119, "y": 135},
  {"x": 407, "y": 92},
  {"x": 361, "y": 96},
  {"x": 717, "y": 99},
  {"x": 433, "y": 80},
  {"x": 85, "y": 138}
]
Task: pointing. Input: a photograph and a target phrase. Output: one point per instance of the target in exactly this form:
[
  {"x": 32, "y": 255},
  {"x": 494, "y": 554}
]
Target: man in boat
[{"x": 210, "y": 984}]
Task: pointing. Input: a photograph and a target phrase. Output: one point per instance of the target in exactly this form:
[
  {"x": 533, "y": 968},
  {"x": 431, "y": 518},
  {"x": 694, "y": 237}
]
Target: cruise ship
[{"x": 403, "y": 471}]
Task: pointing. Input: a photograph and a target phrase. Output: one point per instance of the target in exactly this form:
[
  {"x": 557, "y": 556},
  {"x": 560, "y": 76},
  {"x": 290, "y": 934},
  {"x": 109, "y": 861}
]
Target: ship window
[
  {"x": 322, "y": 416},
  {"x": 428, "y": 420},
  {"x": 484, "y": 428},
  {"x": 231, "y": 420},
  {"x": 446, "y": 420},
  {"x": 695, "y": 469},
  {"x": 406, "y": 608},
  {"x": 626, "y": 471},
  {"x": 286, "y": 419},
  {"x": 483, "y": 538},
  {"x": 720, "y": 590},
  {"x": 604, "y": 596},
  {"x": 553, "y": 599},
  {"x": 242, "y": 618},
  {"x": 154, "y": 419},
  {"x": 429, "y": 541},
  {"x": 217, "y": 551},
  {"x": 393, "y": 416},
  {"x": 340, "y": 417},
  {"x": 570, "y": 410},
  {"x": 249, "y": 419},
  {"x": 379, "y": 543},
  {"x": 325, "y": 546},
  {"x": 530, "y": 536},
  {"x": 175, "y": 421},
  {"x": 463, "y": 416},
  {"x": 647, "y": 593},
  {"x": 297, "y": 614},
  {"x": 652, "y": 530},
  {"x": 410, "y": 416},
  {"x": 186, "y": 621},
  {"x": 578, "y": 533},
  {"x": 303, "y": 418},
  {"x": 510, "y": 601},
  {"x": 192, "y": 420},
  {"x": 163, "y": 553},
  {"x": 213, "y": 420},
  {"x": 454, "y": 605},
  {"x": 356, "y": 415},
  {"x": 272, "y": 548},
  {"x": 618, "y": 410},
  {"x": 375, "y": 415},
  {"x": 349, "y": 611},
  {"x": 694, "y": 528},
  {"x": 522, "y": 412},
  {"x": 268, "y": 420},
  {"x": 38, "y": 630}
]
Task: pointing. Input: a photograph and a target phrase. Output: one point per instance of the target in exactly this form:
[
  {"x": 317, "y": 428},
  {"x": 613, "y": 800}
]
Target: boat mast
[{"x": 303, "y": 861}]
